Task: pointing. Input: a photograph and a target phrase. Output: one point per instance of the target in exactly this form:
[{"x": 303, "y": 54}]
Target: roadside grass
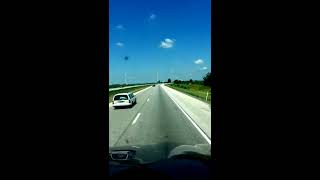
[
  {"x": 196, "y": 90},
  {"x": 133, "y": 89}
]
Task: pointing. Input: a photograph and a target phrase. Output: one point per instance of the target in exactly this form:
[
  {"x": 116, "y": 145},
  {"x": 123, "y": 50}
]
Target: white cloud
[
  {"x": 152, "y": 17},
  {"x": 120, "y": 27},
  {"x": 167, "y": 43},
  {"x": 204, "y": 68},
  {"x": 199, "y": 61},
  {"x": 120, "y": 44},
  {"x": 167, "y": 40}
]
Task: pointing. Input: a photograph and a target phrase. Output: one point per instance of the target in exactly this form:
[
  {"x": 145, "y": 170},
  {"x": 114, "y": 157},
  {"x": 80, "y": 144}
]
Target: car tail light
[
  {"x": 129, "y": 101},
  {"x": 112, "y": 102}
]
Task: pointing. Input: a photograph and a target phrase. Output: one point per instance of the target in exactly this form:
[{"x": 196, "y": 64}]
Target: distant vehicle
[
  {"x": 153, "y": 85},
  {"x": 124, "y": 99}
]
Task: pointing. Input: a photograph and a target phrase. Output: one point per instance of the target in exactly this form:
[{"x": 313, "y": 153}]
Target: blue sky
[{"x": 171, "y": 37}]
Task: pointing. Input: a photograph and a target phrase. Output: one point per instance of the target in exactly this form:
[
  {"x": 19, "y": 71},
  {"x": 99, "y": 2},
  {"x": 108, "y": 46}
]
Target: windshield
[{"x": 161, "y": 52}]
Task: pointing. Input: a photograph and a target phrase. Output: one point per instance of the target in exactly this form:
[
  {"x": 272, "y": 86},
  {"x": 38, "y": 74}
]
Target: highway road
[{"x": 154, "y": 119}]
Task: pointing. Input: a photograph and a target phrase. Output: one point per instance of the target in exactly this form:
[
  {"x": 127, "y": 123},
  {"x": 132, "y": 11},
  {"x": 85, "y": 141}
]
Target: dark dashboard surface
[{"x": 169, "y": 169}]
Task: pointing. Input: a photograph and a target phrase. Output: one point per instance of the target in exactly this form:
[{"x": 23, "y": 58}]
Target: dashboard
[{"x": 169, "y": 169}]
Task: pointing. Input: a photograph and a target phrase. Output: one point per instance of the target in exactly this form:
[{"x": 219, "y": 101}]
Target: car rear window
[{"x": 121, "y": 97}]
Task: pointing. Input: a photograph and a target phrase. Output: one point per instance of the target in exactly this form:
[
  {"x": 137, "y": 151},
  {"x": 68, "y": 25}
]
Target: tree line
[{"x": 207, "y": 79}]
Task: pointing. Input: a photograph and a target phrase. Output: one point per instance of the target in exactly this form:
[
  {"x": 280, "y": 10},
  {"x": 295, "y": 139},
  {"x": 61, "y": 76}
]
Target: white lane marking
[
  {"x": 135, "y": 119},
  {"x": 189, "y": 118},
  {"x": 141, "y": 90},
  {"x": 147, "y": 99}
]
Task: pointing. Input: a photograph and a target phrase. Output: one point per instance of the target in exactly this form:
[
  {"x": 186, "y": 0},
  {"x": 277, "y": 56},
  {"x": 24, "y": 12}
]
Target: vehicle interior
[{"x": 161, "y": 161}]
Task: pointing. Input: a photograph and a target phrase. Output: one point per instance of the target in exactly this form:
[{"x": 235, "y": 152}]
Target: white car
[{"x": 124, "y": 99}]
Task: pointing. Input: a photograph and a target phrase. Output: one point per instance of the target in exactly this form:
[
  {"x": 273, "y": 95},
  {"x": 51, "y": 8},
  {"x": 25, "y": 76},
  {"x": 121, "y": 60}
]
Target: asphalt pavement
[{"x": 154, "y": 119}]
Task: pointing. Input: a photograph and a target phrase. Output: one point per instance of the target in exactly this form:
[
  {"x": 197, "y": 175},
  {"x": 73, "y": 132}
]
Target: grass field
[
  {"x": 196, "y": 90},
  {"x": 134, "y": 89}
]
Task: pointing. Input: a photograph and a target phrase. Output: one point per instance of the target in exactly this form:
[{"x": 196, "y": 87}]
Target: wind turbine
[
  {"x": 125, "y": 78},
  {"x": 157, "y": 77}
]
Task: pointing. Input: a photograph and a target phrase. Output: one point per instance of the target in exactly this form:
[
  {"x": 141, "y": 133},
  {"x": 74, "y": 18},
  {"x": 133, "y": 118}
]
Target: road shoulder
[{"x": 197, "y": 110}]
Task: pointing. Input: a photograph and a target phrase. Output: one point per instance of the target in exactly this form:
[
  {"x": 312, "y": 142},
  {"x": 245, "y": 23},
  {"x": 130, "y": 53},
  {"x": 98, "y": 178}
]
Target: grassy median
[
  {"x": 196, "y": 90},
  {"x": 133, "y": 89}
]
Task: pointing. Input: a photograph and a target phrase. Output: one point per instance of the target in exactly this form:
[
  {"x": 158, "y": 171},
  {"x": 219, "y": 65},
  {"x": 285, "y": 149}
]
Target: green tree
[{"x": 207, "y": 79}]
